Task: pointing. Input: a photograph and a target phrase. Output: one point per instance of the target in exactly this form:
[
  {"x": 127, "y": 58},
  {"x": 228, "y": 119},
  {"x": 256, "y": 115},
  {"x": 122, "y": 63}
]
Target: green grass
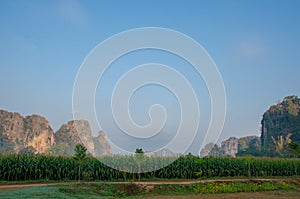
[
  {"x": 236, "y": 187},
  {"x": 132, "y": 190},
  {"x": 33, "y": 192},
  {"x": 34, "y": 182}
]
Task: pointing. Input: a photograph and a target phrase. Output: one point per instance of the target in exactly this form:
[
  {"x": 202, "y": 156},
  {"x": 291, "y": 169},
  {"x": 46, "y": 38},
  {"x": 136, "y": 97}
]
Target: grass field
[{"x": 216, "y": 189}]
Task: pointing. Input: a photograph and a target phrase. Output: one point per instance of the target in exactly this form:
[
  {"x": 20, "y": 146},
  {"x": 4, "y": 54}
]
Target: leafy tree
[
  {"x": 295, "y": 147},
  {"x": 139, "y": 157},
  {"x": 80, "y": 155},
  {"x": 28, "y": 151},
  {"x": 57, "y": 150},
  {"x": 251, "y": 151},
  {"x": 7, "y": 150}
]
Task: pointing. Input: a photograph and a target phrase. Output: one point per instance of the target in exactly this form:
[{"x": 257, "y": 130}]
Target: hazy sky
[{"x": 255, "y": 45}]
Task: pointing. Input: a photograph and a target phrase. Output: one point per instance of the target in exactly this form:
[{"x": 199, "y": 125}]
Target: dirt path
[
  {"x": 15, "y": 186},
  {"x": 214, "y": 180}
]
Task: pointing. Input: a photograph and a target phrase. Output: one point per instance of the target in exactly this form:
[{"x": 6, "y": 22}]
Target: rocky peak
[
  {"x": 38, "y": 133},
  {"x": 249, "y": 142},
  {"x": 230, "y": 146},
  {"x": 280, "y": 121},
  {"x": 73, "y": 133},
  {"x": 102, "y": 146},
  {"x": 79, "y": 132},
  {"x": 211, "y": 149},
  {"x": 17, "y": 132}
]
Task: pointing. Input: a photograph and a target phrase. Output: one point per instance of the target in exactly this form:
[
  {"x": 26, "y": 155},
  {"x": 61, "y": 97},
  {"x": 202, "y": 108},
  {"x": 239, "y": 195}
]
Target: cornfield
[{"x": 40, "y": 167}]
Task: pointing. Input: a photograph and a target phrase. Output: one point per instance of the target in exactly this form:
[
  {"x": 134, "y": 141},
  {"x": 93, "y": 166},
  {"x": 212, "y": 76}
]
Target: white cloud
[{"x": 72, "y": 12}]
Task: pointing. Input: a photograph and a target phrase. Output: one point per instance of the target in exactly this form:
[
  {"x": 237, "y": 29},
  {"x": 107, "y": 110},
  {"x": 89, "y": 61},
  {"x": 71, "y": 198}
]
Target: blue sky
[{"x": 255, "y": 45}]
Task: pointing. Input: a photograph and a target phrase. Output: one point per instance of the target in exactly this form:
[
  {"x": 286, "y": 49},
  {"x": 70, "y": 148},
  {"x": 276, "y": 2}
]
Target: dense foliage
[{"x": 38, "y": 167}]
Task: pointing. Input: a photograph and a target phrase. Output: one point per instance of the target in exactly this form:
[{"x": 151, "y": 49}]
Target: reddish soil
[{"x": 14, "y": 186}]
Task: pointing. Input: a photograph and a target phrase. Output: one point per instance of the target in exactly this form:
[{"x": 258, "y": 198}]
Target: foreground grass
[
  {"x": 132, "y": 190},
  {"x": 252, "y": 195}
]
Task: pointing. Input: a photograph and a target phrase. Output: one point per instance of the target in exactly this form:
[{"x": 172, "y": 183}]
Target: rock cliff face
[
  {"x": 230, "y": 146},
  {"x": 68, "y": 135},
  {"x": 281, "y": 122},
  {"x": 79, "y": 132},
  {"x": 11, "y": 130},
  {"x": 102, "y": 147},
  {"x": 249, "y": 142},
  {"x": 211, "y": 149},
  {"x": 38, "y": 133},
  {"x": 17, "y": 132}
]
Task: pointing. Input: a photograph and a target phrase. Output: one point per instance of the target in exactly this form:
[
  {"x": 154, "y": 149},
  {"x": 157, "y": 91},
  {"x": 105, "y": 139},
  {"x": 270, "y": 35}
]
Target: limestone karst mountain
[
  {"x": 79, "y": 132},
  {"x": 232, "y": 146},
  {"x": 281, "y": 125},
  {"x": 101, "y": 145},
  {"x": 18, "y": 132},
  {"x": 280, "y": 120},
  {"x": 73, "y": 133}
]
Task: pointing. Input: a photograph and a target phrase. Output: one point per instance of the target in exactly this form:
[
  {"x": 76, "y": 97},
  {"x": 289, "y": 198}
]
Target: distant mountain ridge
[
  {"x": 280, "y": 125},
  {"x": 18, "y": 133},
  {"x": 231, "y": 147}
]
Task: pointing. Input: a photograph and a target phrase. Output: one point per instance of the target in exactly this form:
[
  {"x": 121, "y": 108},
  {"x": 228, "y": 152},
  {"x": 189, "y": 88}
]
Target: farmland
[
  {"x": 186, "y": 176},
  {"x": 39, "y": 167}
]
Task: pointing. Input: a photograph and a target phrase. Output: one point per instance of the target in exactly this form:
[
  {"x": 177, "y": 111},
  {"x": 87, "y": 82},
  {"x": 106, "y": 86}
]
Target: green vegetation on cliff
[{"x": 280, "y": 126}]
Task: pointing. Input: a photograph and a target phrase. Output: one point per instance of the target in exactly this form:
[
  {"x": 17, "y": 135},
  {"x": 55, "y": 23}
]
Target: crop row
[{"x": 39, "y": 167}]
